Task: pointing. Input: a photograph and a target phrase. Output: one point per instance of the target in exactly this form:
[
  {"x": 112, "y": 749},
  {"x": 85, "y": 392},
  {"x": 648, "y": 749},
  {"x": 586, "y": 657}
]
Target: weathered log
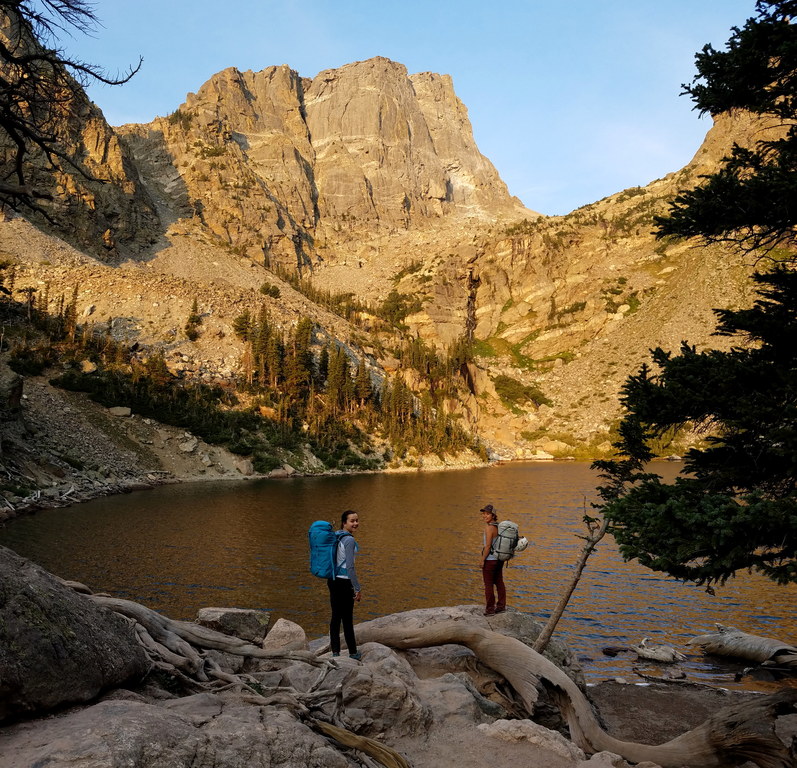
[
  {"x": 733, "y": 735},
  {"x": 180, "y": 636},
  {"x": 729, "y": 641},
  {"x": 663, "y": 653},
  {"x": 385, "y": 755}
]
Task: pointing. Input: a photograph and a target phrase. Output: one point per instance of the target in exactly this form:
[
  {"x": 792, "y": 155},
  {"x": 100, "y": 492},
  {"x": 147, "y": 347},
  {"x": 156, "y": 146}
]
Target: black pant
[{"x": 341, "y": 598}]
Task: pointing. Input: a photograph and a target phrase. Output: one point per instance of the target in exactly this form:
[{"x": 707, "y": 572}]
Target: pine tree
[
  {"x": 275, "y": 354},
  {"x": 323, "y": 364},
  {"x": 70, "y": 316},
  {"x": 336, "y": 379},
  {"x": 242, "y": 325},
  {"x": 193, "y": 322},
  {"x": 261, "y": 334},
  {"x": 362, "y": 384},
  {"x": 734, "y": 506}
]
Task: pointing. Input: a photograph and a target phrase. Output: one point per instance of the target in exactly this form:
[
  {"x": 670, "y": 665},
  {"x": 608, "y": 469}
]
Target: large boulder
[
  {"x": 56, "y": 646},
  {"x": 10, "y": 388},
  {"x": 285, "y": 636}
]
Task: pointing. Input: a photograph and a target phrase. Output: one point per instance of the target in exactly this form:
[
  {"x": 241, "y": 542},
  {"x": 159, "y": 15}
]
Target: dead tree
[
  {"x": 733, "y": 735},
  {"x": 596, "y": 531},
  {"x": 39, "y": 87}
]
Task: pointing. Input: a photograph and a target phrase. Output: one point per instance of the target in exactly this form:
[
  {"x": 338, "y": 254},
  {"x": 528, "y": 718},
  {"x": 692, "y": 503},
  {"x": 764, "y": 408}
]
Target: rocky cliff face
[
  {"x": 284, "y": 168},
  {"x": 571, "y": 305},
  {"x": 88, "y": 190}
]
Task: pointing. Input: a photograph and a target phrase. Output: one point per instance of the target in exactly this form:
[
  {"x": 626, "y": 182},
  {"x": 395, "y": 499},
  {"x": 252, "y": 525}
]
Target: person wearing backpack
[
  {"x": 492, "y": 567},
  {"x": 344, "y": 587}
]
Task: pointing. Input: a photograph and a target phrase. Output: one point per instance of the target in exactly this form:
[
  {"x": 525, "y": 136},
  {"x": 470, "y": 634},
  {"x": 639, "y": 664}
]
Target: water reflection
[{"x": 180, "y": 548}]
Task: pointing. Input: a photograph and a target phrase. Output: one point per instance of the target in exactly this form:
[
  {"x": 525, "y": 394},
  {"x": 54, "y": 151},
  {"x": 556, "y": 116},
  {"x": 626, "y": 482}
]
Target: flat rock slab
[
  {"x": 246, "y": 623},
  {"x": 657, "y": 712}
]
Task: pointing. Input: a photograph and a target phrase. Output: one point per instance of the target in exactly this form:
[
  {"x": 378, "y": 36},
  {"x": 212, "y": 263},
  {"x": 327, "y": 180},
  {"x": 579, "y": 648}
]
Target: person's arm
[
  {"x": 348, "y": 549},
  {"x": 490, "y": 532}
]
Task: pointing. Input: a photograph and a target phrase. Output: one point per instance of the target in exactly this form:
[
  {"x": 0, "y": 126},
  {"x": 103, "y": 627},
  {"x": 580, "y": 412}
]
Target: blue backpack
[{"x": 323, "y": 547}]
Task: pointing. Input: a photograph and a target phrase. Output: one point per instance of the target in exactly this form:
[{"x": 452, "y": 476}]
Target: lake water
[{"x": 179, "y": 548}]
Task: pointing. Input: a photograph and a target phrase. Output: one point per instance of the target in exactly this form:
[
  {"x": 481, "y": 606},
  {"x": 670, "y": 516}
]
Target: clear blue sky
[{"x": 571, "y": 101}]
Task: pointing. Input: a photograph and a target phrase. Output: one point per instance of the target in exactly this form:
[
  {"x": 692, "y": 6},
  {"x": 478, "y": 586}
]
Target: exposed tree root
[
  {"x": 178, "y": 648},
  {"x": 385, "y": 755},
  {"x": 733, "y": 735},
  {"x": 181, "y": 636}
]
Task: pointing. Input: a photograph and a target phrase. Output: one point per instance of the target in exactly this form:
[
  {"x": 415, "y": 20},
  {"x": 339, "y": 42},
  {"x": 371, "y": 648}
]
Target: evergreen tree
[
  {"x": 261, "y": 333},
  {"x": 336, "y": 380},
  {"x": 298, "y": 362},
  {"x": 275, "y": 355},
  {"x": 70, "y": 316},
  {"x": 362, "y": 384},
  {"x": 752, "y": 200},
  {"x": 303, "y": 338},
  {"x": 323, "y": 364},
  {"x": 193, "y": 322},
  {"x": 734, "y": 506},
  {"x": 349, "y": 397},
  {"x": 242, "y": 325}
]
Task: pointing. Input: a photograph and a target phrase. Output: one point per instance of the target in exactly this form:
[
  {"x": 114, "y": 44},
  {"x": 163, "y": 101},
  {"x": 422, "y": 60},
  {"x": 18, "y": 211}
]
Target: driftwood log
[
  {"x": 733, "y": 735},
  {"x": 666, "y": 654},
  {"x": 729, "y": 641}
]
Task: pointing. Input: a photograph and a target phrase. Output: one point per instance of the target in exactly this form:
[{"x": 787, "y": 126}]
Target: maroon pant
[{"x": 493, "y": 575}]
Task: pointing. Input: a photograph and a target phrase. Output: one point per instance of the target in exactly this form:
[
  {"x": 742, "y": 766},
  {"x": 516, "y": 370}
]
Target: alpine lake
[{"x": 179, "y": 548}]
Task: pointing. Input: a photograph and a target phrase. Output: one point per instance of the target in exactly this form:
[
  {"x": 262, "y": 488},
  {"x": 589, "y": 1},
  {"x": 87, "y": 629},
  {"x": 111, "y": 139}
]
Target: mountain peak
[{"x": 364, "y": 148}]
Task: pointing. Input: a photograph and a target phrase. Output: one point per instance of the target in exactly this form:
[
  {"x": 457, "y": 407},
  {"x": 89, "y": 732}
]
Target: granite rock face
[
  {"x": 201, "y": 729},
  {"x": 282, "y": 167},
  {"x": 56, "y": 646},
  {"x": 247, "y": 624},
  {"x": 87, "y": 191}
]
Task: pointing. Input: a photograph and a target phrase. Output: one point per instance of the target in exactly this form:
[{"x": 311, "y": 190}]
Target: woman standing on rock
[
  {"x": 344, "y": 589},
  {"x": 492, "y": 567}
]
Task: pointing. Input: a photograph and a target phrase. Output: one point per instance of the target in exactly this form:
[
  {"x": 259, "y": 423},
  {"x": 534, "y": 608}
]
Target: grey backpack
[{"x": 505, "y": 542}]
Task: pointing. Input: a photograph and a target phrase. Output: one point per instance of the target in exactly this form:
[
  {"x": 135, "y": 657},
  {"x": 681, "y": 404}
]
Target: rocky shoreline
[
  {"x": 79, "y": 688},
  {"x": 70, "y": 450}
]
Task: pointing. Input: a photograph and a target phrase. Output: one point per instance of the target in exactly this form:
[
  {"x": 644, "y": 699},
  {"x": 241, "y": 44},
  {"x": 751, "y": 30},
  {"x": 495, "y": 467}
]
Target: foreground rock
[
  {"x": 220, "y": 701},
  {"x": 56, "y": 647}
]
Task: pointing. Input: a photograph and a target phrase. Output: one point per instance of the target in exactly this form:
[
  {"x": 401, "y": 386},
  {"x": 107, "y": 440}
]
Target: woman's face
[
  {"x": 488, "y": 517},
  {"x": 352, "y": 523}
]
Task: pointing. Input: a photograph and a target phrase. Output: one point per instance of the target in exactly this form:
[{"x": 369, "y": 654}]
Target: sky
[{"x": 571, "y": 101}]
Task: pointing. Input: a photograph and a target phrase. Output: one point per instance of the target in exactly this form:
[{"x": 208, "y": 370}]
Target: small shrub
[
  {"x": 31, "y": 361},
  {"x": 513, "y": 392},
  {"x": 573, "y": 308},
  {"x": 183, "y": 119},
  {"x": 264, "y": 462},
  {"x": 267, "y": 289},
  {"x": 483, "y": 349},
  {"x": 213, "y": 151}
]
